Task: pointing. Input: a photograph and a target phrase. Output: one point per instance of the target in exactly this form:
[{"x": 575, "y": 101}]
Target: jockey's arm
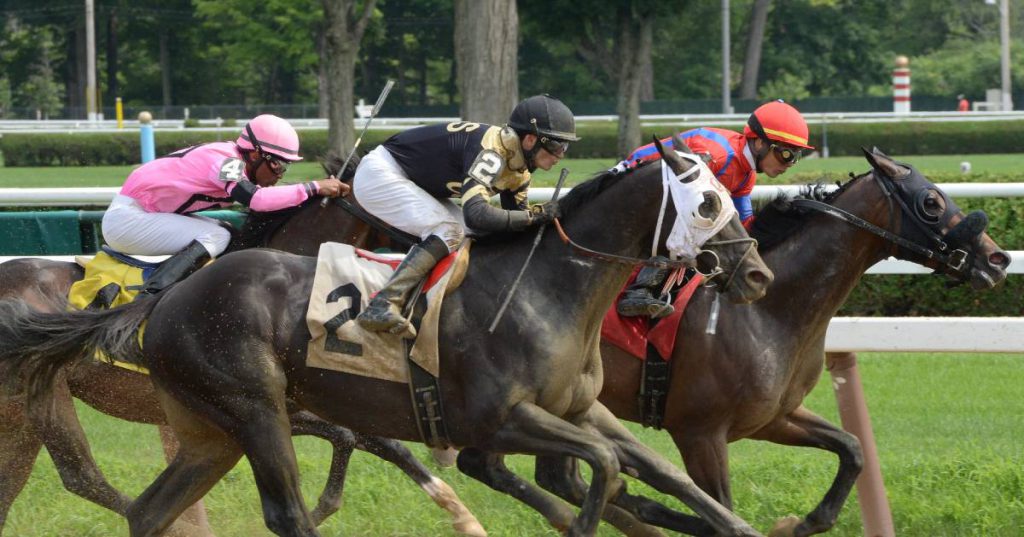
[
  {"x": 479, "y": 214},
  {"x": 745, "y": 208},
  {"x": 271, "y": 198}
]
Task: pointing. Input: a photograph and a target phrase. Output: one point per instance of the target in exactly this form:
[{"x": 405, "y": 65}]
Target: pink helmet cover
[{"x": 273, "y": 135}]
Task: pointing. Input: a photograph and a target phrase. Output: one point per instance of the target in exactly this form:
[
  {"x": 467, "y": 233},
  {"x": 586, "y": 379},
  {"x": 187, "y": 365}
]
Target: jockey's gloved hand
[{"x": 544, "y": 213}]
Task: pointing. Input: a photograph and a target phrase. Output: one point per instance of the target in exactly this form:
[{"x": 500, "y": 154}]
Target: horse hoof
[
  {"x": 470, "y": 527},
  {"x": 445, "y": 458},
  {"x": 784, "y": 527}
]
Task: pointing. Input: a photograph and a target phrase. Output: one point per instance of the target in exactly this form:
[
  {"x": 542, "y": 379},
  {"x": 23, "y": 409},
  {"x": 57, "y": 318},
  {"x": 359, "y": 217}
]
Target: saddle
[{"x": 653, "y": 342}]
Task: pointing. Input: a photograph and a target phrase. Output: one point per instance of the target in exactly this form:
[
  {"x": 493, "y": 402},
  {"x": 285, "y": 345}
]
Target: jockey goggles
[
  {"x": 787, "y": 155},
  {"x": 277, "y": 164},
  {"x": 553, "y": 146}
]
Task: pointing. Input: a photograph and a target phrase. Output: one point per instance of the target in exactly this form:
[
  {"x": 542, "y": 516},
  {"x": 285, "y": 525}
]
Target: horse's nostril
[
  {"x": 757, "y": 277},
  {"x": 999, "y": 259}
]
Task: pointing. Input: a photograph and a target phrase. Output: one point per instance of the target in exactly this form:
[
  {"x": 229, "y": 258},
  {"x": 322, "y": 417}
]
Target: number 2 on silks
[
  {"x": 333, "y": 342},
  {"x": 486, "y": 167}
]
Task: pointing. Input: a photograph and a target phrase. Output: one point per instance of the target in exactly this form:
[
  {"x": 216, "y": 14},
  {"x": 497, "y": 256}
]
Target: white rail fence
[{"x": 846, "y": 335}]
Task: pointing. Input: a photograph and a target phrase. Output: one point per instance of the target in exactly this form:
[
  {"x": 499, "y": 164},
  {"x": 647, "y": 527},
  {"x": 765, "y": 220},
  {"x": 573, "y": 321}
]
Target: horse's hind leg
[
  {"x": 490, "y": 469},
  {"x": 626, "y": 512},
  {"x": 805, "y": 428},
  {"x": 531, "y": 429},
  {"x": 344, "y": 442},
  {"x": 393, "y": 451},
  {"x": 56, "y": 422},
  {"x": 19, "y": 447},
  {"x": 196, "y": 513},
  {"x": 205, "y": 454},
  {"x": 651, "y": 468}
]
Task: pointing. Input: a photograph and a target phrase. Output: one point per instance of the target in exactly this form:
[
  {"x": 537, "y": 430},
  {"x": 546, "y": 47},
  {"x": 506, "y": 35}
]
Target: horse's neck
[
  {"x": 817, "y": 268},
  {"x": 619, "y": 221},
  {"x": 314, "y": 224}
]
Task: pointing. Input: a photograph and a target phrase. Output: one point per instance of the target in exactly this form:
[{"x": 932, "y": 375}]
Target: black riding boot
[
  {"x": 639, "y": 298},
  {"x": 176, "y": 268},
  {"x": 384, "y": 312}
]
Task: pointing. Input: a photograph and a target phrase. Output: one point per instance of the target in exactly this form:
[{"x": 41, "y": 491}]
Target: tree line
[{"x": 482, "y": 55}]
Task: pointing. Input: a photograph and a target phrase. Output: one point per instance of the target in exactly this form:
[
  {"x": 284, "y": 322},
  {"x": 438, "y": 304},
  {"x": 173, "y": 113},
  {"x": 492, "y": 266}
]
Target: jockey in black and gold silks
[{"x": 409, "y": 182}]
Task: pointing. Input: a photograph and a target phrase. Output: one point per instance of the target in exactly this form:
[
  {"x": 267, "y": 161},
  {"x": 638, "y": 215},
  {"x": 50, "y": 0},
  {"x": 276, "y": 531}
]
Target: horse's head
[
  {"x": 715, "y": 238},
  {"x": 947, "y": 240}
]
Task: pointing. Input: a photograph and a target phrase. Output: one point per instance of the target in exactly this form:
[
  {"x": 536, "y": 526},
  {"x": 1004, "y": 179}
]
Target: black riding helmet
[{"x": 545, "y": 117}]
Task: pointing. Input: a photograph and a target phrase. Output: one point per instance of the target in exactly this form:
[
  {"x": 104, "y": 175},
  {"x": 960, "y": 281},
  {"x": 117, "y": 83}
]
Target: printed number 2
[
  {"x": 334, "y": 343},
  {"x": 463, "y": 126},
  {"x": 486, "y": 167}
]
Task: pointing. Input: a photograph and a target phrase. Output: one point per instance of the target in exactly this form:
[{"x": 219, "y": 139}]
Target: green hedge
[{"x": 599, "y": 141}]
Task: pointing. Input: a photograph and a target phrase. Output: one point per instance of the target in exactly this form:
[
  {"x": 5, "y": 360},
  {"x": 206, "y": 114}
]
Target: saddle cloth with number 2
[{"x": 345, "y": 281}]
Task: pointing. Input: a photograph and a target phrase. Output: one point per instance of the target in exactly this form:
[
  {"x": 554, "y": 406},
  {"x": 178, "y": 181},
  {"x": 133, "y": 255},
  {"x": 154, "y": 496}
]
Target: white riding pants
[
  {"x": 129, "y": 229},
  {"x": 382, "y": 188}
]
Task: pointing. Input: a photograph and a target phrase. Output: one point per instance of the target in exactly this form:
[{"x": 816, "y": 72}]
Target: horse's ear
[
  {"x": 332, "y": 166},
  {"x": 680, "y": 145},
  {"x": 883, "y": 164},
  {"x": 674, "y": 161}
]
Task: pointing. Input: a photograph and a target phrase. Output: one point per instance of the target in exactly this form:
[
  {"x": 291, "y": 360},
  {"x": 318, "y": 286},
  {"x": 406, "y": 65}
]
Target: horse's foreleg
[
  {"x": 56, "y": 422},
  {"x": 651, "y": 468},
  {"x": 19, "y": 447},
  {"x": 531, "y": 429},
  {"x": 805, "y": 428},
  {"x": 706, "y": 457},
  {"x": 560, "y": 475},
  {"x": 489, "y": 469},
  {"x": 393, "y": 451}
]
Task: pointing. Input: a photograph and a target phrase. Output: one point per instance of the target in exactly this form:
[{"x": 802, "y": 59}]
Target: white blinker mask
[{"x": 691, "y": 230}]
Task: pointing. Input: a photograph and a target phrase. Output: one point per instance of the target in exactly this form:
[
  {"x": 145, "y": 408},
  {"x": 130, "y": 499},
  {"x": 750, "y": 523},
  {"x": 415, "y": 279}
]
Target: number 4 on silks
[{"x": 333, "y": 343}]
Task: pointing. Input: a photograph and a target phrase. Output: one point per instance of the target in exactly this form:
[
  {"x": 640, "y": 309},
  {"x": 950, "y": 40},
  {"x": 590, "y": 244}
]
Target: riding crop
[
  {"x": 536, "y": 241},
  {"x": 376, "y": 108}
]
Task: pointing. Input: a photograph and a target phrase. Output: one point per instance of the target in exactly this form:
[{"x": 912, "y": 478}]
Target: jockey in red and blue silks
[
  {"x": 771, "y": 142},
  {"x": 730, "y": 159}
]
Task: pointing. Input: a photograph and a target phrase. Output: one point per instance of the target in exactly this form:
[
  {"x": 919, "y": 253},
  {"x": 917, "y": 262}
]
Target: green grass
[
  {"x": 942, "y": 168},
  {"x": 947, "y": 426}
]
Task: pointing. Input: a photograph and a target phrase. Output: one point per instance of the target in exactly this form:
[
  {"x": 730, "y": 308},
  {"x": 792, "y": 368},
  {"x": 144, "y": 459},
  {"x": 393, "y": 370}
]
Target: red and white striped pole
[{"x": 901, "y": 86}]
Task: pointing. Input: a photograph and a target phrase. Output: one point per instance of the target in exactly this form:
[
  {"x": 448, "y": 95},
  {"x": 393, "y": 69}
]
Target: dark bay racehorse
[
  {"x": 224, "y": 358},
  {"x": 129, "y": 395},
  {"x": 749, "y": 380}
]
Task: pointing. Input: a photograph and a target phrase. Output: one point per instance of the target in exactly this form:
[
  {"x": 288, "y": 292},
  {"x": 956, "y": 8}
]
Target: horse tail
[
  {"x": 332, "y": 166},
  {"x": 37, "y": 344}
]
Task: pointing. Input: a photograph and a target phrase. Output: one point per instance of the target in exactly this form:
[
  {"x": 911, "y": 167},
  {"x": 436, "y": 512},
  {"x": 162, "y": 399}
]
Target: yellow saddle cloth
[{"x": 109, "y": 282}]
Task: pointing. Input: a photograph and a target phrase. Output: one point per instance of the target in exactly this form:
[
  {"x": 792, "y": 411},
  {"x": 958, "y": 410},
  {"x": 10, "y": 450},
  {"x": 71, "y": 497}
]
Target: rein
[
  {"x": 615, "y": 258},
  {"x": 955, "y": 260}
]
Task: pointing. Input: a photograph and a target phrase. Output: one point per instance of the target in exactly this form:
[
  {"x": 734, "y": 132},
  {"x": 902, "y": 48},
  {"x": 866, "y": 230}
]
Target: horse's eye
[
  {"x": 933, "y": 205},
  {"x": 711, "y": 206}
]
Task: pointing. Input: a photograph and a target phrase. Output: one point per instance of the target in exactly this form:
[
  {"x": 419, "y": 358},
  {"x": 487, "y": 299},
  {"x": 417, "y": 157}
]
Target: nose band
[{"x": 970, "y": 227}]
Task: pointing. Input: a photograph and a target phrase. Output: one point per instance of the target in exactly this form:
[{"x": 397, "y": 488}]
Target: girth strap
[
  {"x": 654, "y": 384},
  {"x": 424, "y": 388}
]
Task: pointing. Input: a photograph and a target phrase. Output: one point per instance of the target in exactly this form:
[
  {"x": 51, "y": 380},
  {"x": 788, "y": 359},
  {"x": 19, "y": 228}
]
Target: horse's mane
[
  {"x": 259, "y": 226},
  {"x": 589, "y": 189},
  {"x": 779, "y": 219},
  {"x": 579, "y": 195}
]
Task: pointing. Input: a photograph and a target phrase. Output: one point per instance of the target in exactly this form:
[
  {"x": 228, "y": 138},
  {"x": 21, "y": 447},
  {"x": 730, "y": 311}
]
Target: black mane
[{"x": 779, "y": 219}]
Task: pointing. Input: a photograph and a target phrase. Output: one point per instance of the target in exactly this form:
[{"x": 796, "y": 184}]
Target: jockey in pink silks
[{"x": 154, "y": 213}]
